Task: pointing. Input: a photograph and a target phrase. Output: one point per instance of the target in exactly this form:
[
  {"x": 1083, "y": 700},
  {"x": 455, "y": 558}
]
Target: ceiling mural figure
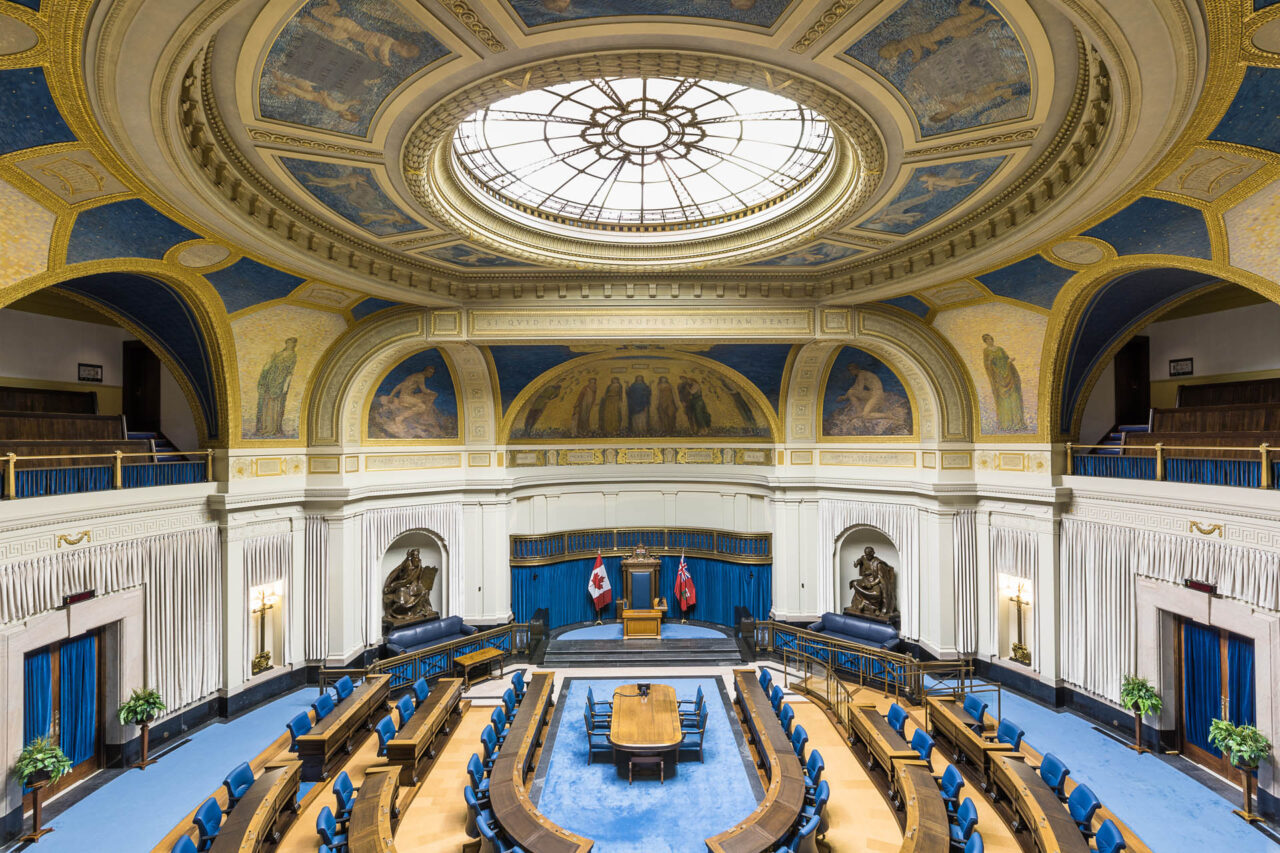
[
  {"x": 957, "y": 63},
  {"x": 352, "y": 193},
  {"x": 931, "y": 192},
  {"x": 417, "y": 399},
  {"x": 864, "y": 397},
  {"x": 758, "y": 13},
  {"x": 815, "y": 255},
  {"x": 335, "y": 62}
]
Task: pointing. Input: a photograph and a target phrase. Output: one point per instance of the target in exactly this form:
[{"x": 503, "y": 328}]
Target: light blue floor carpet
[
  {"x": 647, "y": 817},
  {"x": 132, "y": 812},
  {"x": 670, "y": 631},
  {"x": 1168, "y": 809}
]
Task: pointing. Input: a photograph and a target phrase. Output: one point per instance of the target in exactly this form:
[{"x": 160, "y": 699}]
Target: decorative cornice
[
  {"x": 464, "y": 13},
  {"x": 829, "y": 18}
]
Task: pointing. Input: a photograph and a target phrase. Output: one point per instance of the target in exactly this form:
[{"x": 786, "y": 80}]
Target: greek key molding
[{"x": 106, "y": 529}]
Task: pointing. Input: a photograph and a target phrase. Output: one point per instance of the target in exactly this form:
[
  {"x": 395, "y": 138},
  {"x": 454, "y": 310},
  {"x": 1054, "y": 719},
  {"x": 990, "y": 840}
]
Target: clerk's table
[{"x": 646, "y": 729}]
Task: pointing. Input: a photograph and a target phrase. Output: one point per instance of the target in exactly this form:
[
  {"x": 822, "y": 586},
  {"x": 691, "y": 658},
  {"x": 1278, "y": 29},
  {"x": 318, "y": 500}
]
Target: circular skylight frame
[{"x": 655, "y": 157}]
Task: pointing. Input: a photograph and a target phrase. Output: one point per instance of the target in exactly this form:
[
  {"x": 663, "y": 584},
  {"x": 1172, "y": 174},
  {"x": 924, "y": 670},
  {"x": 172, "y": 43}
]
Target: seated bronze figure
[
  {"x": 874, "y": 589},
  {"x": 406, "y": 595}
]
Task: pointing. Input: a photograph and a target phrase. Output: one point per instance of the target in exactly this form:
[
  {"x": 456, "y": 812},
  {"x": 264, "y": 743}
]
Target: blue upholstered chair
[
  {"x": 184, "y": 844},
  {"x": 597, "y": 736},
  {"x": 477, "y": 812},
  {"x": 820, "y": 797},
  {"x": 966, "y": 818},
  {"x": 691, "y": 708},
  {"x": 518, "y": 685},
  {"x": 509, "y": 703},
  {"x": 344, "y": 793},
  {"x": 922, "y": 743},
  {"x": 208, "y": 821},
  {"x": 775, "y": 699},
  {"x": 1054, "y": 773},
  {"x": 404, "y": 706},
  {"x": 298, "y": 726},
  {"x": 344, "y": 687},
  {"x": 897, "y": 718},
  {"x": 1109, "y": 839},
  {"x": 480, "y": 784},
  {"x": 599, "y": 710},
  {"x": 1008, "y": 732},
  {"x": 813, "y": 773},
  {"x": 799, "y": 737},
  {"x": 798, "y": 837},
  {"x": 323, "y": 706},
  {"x": 499, "y": 721},
  {"x": 421, "y": 690},
  {"x": 489, "y": 741},
  {"x": 787, "y": 718},
  {"x": 496, "y": 839},
  {"x": 949, "y": 785},
  {"x": 327, "y": 829},
  {"x": 237, "y": 783},
  {"x": 1082, "y": 804},
  {"x": 977, "y": 709},
  {"x": 766, "y": 678},
  {"x": 386, "y": 730},
  {"x": 974, "y": 844},
  {"x": 692, "y": 734}
]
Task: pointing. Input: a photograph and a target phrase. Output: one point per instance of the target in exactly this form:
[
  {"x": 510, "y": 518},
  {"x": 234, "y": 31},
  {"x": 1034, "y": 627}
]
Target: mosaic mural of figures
[
  {"x": 639, "y": 395},
  {"x": 930, "y": 192},
  {"x": 336, "y": 61},
  {"x": 416, "y": 400},
  {"x": 1006, "y": 385},
  {"x": 864, "y": 397},
  {"x": 273, "y": 389},
  {"x": 810, "y": 256},
  {"x": 957, "y": 63},
  {"x": 352, "y": 193},
  {"x": 759, "y": 13}
]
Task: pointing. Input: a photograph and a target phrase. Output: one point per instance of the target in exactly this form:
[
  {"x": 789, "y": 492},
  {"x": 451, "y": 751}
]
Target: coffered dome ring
[{"x": 856, "y": 165}]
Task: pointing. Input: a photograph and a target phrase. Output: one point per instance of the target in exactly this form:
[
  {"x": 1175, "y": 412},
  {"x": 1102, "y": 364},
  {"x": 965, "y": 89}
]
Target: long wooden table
[
  {"x": 251, "y": 826},
  {"x": 927, "y": 828},
  {"x": 512, "y": 808},
  {"x": 480, "y": 657},
  {"x": 414, "y": 745},
  {"x": 777, "y": 812},
  {"x": 949, "y": 720},
  {"x": 374, "y": 815},
  {"x": 335, "y": 733},
  {"x": 646, "y": 727},
  {"x": 1037, "y": 806}
]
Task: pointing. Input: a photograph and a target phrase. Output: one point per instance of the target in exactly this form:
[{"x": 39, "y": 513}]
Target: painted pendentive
[
  {"x": 957, "y": 63},
  {"x": 864, "y": 397},
  {"x": 247, "y": 283},
  {"x": 1251, "y": 228},
  {"x": 931, "y": 192},
  {"x": 353, "y": 193},
  {"x": 1032, "y": 280},
  {"x": 417, "y": 399},
  {"x": 26, "y": 249},
  {"x": 758, "y": 13},
  {"x": 125, "y": 229},
  {"x": 335, "y": 62}
]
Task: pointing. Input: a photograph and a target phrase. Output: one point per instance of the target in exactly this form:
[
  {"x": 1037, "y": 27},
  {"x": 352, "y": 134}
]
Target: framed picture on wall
[
  {"x": 90, "y": 372},
  {"x": 1181, "y": 366}
]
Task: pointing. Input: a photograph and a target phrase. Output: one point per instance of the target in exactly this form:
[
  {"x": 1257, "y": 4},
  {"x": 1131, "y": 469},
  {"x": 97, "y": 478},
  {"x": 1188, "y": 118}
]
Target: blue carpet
[
  {"x": 647, "y": 817},
  {"x": 136, "y": 809},
  {"x": 1168, "y": 809},
  {"x": 670, "y": 631}
]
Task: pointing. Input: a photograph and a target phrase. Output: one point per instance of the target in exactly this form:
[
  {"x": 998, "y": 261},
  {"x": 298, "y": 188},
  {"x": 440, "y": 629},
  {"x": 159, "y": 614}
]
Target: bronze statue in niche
[
  {"x": 875, "y": 589},
  {"x": 406, "y": 595}
]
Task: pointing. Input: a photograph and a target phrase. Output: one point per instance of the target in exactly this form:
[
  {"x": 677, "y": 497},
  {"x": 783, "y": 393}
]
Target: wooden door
[
  {"x": 1133, "y": 381},
  {"x": 141, "y": 392},
  {"x": 1206, "y": 659}
]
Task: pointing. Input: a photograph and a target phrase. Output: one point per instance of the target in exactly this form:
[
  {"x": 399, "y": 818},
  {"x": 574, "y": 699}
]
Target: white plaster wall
[
  {"x": 1100, "y": 411},
  {"x": 1235, "y": 341},
  {"x": 37, "y": 346},
  {"x": 176, "y": 420}
]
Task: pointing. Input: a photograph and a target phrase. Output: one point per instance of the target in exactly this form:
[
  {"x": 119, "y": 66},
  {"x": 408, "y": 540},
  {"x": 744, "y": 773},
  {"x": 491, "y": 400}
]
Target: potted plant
[
  {"x": 1139, "y": 696},
  {"x": 40, "y": 763},
  {"x": 1245, "y": 747},
  {"x": 142, "y": 707}
]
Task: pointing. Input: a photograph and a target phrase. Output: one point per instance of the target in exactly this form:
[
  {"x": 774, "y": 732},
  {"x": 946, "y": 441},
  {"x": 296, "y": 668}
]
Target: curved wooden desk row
[
  {"x": 512, "y": 808},
  {"x": 337, "y": 732},
  {"x": 927, "y": 828},
  {"x": 374, "y": 815},
  {"x": 413, "y": 747},
  {"x": 778, "y": 811},
  {"x": 252, "y": 824}
]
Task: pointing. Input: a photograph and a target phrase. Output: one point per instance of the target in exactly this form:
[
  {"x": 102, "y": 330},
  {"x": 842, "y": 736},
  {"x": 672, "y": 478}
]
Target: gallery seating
[
  {"x": 344, "y": 794},
  {"x": 237, "y": 783},
  {"x": 1082, "y": 804},
  {"x": 966, "y": 818},
  {"x": 208, "y": 821},
  {"x": 424, "y": 635},
  {"x": 327, "y": 829},
  {"x": 859, "y": 630},
  {"x": 14, "y": 399},
  {"x": 1109, "y": 839}
]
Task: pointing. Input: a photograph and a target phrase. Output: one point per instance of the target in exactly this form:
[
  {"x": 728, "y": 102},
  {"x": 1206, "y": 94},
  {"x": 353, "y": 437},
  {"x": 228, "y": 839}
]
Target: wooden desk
[
  {"x": 336, "y": 732},
  {"x": 949, "y": 720},
  {"x": 512, "y": 808},
  {"x": 783, "y": 799},
  {"x": 374, "y": 815},
  {"x": 483, "y": 657},
  {"x": 414, "y": 745},
  {"x": 927, "y": 829},
  {"x": 646, "y": 727},
  {"x": 641, "y": 624},
  {"x": 884, "y": 746},
  {"x": 1037, "y": 806},
  {"x": 251, "y": 826}
]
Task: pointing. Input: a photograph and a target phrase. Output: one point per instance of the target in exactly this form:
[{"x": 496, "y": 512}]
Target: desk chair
[
  {"x": 386, "y": 730},
  {"x": 497, "y": 841},
  {"x": 479, "y": 782},
  {"x": 1082, "y": 804},
  {"x": 696, "y": 730},
  {"x": 966, "y": 818},
  {"x": 208, "y": 821},
  {"x": 344, "y": 793},
  {"x": 1109, "y": 839},
  {"x": 323, "y": 706},
  {"x": 184, "y": 844},
  {"x": 695, "y": 706},
  {"x": 509, "y": 703},
  {"x": 787, "y": 718},
  {"x": 775, "y": 699},
  {"x": 489, "y": 741},
  {"x": 1008, "y": 732},
  {"x": 949, "y": 785},
  {"x": 238, "y": 783},
  {"x": 799, "y": 737},
  {"x": 404, "y": 706},
  {"x": 974, "y": 844},
  {"x": 1054, "y": 773},
  {"x": 802, "y": 838},
  {"x": 498, "y": 720},
  {"x": 922, "y": 743},
  {"x": 421, "y": 690},
  {"x": 597, "y": 736},
  {"x": 822, "y": 794},
  {"x": 298, "y": 726},
  {"x": 897, "y": 718},
  {"x": 976, "y": 708},
  {"x": 518, "y": 685},
  {"x": 812, "y": 773},
  {"x": 344, "y": 687},
  {"x": 766, "y": 678},
  {"x": 477, "y": 813},
  {"x": 599, "y": 710},
  {"x": 327, "y": 829}
]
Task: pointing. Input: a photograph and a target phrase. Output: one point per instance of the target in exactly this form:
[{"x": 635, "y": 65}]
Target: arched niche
[
  {"x": 431, "y": 551},
  {"x": 849, "y": 547}
]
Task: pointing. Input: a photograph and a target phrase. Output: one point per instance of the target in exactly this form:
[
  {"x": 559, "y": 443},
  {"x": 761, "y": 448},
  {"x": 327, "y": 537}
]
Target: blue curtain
[
  {"x": 1240, "y": 703},
  {"x": 162, "y": 474},
  {"x": 78, "y": 698},
  {"x": 1214, "y": 472},
  {"x": 1201, "y": 682},
  {"x": 1125, "y": 467},
  {"x": 562, "y": 589},
  {"x": 37, "y": 695},
  {"x": 720, "y": 586},
  {"x": 36, "y": 482}
]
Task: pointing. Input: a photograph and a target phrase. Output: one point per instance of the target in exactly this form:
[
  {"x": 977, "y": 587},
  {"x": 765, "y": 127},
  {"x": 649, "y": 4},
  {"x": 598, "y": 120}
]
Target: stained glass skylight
[{"x": 655, "y": 155}]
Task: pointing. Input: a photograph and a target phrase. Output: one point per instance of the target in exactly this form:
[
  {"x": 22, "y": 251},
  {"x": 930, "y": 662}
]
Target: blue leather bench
[
  {"x": 416, "y": 637},
  {"x": 856, "y": 629}
]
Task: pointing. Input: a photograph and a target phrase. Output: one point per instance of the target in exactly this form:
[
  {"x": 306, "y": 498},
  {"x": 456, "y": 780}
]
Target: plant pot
[{"x": 40, "y": 777}]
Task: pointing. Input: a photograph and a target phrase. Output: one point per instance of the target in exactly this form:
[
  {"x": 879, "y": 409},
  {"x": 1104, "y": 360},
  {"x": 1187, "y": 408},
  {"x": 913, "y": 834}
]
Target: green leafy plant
[
  {"x": 1137, "y": 694},
  {"x": 41, "y": 756},
  {"x": 1244, "y": 745},
  {"x": 143, "y": 706}
]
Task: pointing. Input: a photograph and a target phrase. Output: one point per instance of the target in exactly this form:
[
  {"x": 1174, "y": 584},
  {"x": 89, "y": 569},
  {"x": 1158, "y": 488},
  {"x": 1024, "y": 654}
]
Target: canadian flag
[
  {"x": 685, "y": 592},
  {"x": 598, "y": 585}
]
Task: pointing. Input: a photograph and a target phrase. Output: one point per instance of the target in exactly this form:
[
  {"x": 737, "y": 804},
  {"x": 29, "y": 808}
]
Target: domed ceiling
[{"x": 460, "y": 147}]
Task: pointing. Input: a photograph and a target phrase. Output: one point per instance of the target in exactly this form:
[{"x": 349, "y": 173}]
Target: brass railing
[
  {"x": 116, "y": 463},
  {"x": 436, "y": 661},
  {"x": 1161, "y": 453}
]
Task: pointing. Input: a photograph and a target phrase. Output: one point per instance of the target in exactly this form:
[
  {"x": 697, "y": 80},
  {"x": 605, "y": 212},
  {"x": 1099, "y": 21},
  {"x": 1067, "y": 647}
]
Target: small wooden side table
[{"x": 483, "y": 657}]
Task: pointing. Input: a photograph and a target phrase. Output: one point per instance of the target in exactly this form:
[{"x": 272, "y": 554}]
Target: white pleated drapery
[
  {"x": 268, "y": 560},
  {"x": 964, "y": 550},
  {"x": 1015, "y": 552},
  {"x": 315, "y": 594},
  {"x": 1099, "y": 600},
  {"x": 182, "y": 573},
  {"x": 381, "y": 527},
  {"x": 900, "y": 523}
]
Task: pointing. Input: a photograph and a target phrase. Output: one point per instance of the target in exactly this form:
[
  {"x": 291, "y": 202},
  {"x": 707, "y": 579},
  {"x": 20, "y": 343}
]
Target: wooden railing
[
  {"x": 436, "y": 661},
  {"x": 1163, "y": 462},
  {"x": 700, "y": 542},
  {"x": 116, "y": 473}
]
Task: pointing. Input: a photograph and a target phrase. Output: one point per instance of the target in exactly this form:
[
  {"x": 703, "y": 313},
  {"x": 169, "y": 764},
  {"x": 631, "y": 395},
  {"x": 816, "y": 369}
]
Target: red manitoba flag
[
  {"x": 685, "y": 592},
  {"x": 598, "y": 585}
]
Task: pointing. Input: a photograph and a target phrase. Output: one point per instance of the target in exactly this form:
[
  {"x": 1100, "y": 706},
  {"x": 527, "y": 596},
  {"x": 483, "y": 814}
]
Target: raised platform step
[{"x": 601, "y": 653}]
